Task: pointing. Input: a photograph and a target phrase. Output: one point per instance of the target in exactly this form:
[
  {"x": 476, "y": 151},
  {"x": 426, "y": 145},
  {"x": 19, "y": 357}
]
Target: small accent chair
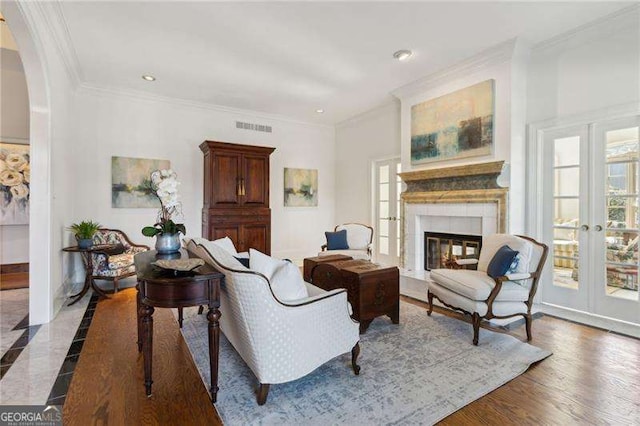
[
  {"x": 477, "y": 294},
  {"x": 113, "y": 265},
  {"x": 359, "y": 238},
  {"x": 279, "y": 341}
]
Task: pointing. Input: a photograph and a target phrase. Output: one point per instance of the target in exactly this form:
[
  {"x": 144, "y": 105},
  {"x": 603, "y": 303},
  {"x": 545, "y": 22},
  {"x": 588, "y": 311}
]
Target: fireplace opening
[{"x": 441, "y": 250}]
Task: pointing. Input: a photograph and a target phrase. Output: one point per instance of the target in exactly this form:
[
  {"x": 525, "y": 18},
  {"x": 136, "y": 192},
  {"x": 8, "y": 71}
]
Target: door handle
[
  {"x": 598, "y": 228},
  {"x": 584, "y": 228}
]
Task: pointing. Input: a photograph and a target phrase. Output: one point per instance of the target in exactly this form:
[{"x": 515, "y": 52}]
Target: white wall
[
  {"x": 585, "y": 71},
  {"x": 360, "y": 141},
  {"x": 121, "y": 125},
  {"x": 14, "y": 128},
  {"x": 506, "y": 64}
]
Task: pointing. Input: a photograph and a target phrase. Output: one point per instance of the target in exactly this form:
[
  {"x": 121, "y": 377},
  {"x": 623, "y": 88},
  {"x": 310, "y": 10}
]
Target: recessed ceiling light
[
  {"x": 148, "y": 77},
  {"x": 320, "y": 111},
  {"x": 403, "y": 55}
]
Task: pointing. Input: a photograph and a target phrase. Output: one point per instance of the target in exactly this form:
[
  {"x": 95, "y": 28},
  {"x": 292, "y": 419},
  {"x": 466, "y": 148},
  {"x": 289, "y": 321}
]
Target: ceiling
[{"x": 290, "y": 59}]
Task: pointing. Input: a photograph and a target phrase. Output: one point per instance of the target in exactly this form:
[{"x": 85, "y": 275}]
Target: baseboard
[
  {"x": 14, "y": 268},
  {"x": 596, "y": 321}
]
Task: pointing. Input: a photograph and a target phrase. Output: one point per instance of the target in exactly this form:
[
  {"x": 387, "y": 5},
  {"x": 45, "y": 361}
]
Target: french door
[
  {"x": 590, "y": 217},
  {"x": 388, "y": 187}
]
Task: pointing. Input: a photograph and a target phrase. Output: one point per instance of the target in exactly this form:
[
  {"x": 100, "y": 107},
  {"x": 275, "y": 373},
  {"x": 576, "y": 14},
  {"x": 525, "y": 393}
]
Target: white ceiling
[{"x": 292, "y": 58}]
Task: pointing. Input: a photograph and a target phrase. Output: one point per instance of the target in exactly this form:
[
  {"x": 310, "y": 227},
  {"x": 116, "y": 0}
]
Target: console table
[{"x": 160, "y": 288}]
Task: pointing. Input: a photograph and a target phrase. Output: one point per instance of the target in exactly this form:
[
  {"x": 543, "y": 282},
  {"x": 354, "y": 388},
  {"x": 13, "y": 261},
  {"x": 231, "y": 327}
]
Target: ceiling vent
[{"x": 254, "y": 127}]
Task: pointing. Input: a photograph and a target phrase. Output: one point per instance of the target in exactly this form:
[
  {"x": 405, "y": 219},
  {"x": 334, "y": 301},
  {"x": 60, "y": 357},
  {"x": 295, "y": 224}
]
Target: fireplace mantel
[
  {"x": 472, "y": 176},
  {"x": 468, "y": 184}
]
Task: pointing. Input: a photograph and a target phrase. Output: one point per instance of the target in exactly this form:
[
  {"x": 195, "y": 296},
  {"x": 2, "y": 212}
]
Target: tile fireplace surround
[{"x": 462, "y": 199}]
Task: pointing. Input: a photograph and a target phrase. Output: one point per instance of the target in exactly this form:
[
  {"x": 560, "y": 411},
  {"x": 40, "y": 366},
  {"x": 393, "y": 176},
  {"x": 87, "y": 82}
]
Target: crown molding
[
  {"x": 592, "y": 30},
  {"x": 93, "y": 89},
  {"x": 393, "y": 102},
  {"x": 50, "y": 22},
  {"x": 495, "y": 55}
]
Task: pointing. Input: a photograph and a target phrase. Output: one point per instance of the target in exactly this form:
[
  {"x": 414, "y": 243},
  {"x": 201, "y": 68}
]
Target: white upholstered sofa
[
  {"x": 359, "y": 239},
  {"x": 279, "y": 341}
]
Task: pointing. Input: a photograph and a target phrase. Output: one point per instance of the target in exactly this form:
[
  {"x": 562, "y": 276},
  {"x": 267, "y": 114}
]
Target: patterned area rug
[{"x": 417, "y": 372}]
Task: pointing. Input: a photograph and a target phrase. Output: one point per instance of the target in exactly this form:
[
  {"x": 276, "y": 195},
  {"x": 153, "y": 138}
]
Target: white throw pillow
[
  {"x": 285, "y": 278},
  {"x": 226, "y": 244}
]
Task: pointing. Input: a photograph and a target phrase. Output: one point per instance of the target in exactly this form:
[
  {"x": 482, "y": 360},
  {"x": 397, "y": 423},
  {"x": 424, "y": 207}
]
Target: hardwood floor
[
  {"x": 593, "y": 377},
  {"x": 11, "y": 281}
]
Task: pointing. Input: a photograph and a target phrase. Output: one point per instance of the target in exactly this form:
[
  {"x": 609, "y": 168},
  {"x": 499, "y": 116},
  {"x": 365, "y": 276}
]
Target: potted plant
[
  {"x": 84, "y": 232},
  {"x": 164, "y": 184}
]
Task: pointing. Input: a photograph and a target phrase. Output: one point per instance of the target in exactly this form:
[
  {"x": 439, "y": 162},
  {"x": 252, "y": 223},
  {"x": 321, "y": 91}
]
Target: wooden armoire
[{"x": 236, "y": 194}]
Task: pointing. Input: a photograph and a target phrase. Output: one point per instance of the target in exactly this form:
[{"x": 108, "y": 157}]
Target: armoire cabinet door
[
  {"x": 256, "y": 236},
  {"x": 232, "y": 231},
  {"x": 227, "y": 167},
  {"x": 256, "y": 180}
]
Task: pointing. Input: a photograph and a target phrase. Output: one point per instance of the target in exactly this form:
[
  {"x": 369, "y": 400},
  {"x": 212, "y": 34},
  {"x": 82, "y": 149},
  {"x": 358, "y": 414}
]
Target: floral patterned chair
[{"x": 114, "y": 263}]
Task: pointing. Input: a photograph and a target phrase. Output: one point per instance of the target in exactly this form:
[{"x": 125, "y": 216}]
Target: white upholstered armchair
[
  {"x": 279, "y": 341},
  {"x": 359, "y": 238},
  {"x": 477, "y": 294}
]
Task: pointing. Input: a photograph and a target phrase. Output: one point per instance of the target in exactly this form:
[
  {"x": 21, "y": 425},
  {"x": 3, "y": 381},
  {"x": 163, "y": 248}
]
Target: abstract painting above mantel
[
  {"x": 15, "y": 177},
  {"x": 131, "y": 182},
  {"x": 300, "y": 187},
  {"x": 456, "y": 125}
]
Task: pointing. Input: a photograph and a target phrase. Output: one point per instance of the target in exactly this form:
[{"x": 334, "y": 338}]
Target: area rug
[{"x": 417, "y": 372}]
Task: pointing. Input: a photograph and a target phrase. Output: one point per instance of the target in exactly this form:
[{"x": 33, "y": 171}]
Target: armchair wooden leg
[
  {"x": 476, "y": 327},
  {"x": 115, "y": 285},
  {"x": 528, "y": 319},
  {"x": 355, "y": 352},
  {"x": 200, "y": 310},
  {"x": 430, "y": 300},
  {"x": 263, "y": 392}
]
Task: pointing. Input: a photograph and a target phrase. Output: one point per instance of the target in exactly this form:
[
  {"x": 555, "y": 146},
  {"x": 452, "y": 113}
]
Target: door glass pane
[
  {"x": 383, "y": 245},
  {"x": 384, "y": 191},
  {"x": 384, "y": 209},
  {"x": 566, "y": 217},
  {"x": 567, "y": 181},
  {"x": 621, "y": 195},
  {"x": 384, "y": 174},
  {"x": 383, "y": 228},
  {"x": 567, "y": 151}
]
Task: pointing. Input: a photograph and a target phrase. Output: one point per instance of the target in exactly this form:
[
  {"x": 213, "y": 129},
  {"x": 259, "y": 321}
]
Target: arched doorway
[{"x": 21, "y": 18}]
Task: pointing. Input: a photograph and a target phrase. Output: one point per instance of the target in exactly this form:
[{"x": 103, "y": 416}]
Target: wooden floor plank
[
  {"x": 12, "y": 281},
  {"x": 592, "y": 377}
]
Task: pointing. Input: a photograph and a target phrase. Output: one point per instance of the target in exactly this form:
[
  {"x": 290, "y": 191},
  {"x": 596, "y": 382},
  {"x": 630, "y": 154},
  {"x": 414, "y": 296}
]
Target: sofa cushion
[
  {"x": 501, "y": 262},
  {"x": 286, "y": 280},
  {"x": 477, "y": 285},
  {"x": 337, "y": 240}
]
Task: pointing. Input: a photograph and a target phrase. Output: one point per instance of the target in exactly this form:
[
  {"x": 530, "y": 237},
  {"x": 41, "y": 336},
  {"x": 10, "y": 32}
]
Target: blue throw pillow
[
  {"x": 337, "y": 240},
  {"x": 501, "y": 262}
]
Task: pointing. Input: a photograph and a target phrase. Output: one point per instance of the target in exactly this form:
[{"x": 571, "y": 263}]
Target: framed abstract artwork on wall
[
  {"x": 15, "y": 178},
  {"x": 300, "y": 187},
  {"x": 456, "y": 125},
  {"x": 131, "y": 182}
]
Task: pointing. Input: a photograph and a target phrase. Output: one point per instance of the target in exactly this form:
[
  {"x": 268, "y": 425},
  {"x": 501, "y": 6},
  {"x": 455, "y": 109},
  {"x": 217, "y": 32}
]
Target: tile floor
[{"x": 37, "y": 361}]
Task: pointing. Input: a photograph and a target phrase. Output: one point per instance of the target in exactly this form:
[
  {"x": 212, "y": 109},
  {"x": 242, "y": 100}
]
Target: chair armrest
[
  {"x": 315, "y": 298},
  {"x": 518, "y": 277},
  {"x": 323, "y": 247}
]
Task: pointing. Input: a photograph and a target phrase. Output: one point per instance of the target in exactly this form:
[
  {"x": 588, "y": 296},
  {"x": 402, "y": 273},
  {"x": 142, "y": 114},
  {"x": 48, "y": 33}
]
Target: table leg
[
  {"x": 364, "y": 325},
  {"x": 139, "y": 315},
  {"x": 214, "y": 347},
  {"x": 147, "y": 344},
  {"x": 85, "y": 288},
  {"x": 180, "y": 316},
  {"x": 97, "y": 289}
]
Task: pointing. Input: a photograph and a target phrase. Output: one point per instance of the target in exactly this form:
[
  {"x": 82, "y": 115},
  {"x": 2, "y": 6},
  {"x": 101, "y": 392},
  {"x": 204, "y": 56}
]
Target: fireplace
[{"x": 441, "y": 250}]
